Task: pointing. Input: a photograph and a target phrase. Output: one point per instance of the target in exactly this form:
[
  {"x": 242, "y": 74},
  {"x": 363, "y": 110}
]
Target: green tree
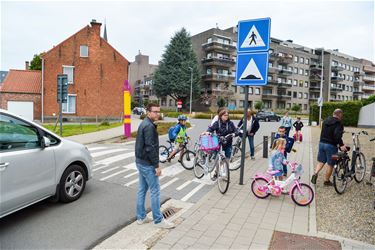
[
  {"x": 296, "y": 108},
  {"x": 36, "y": 63},
  {"x": 259, "y": 105},
  {"x": 172, "y": 78},
  {"x": 221, "y": 102}
]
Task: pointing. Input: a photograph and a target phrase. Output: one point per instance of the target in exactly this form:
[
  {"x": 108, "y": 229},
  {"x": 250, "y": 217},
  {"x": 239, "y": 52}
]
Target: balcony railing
[
  {"x": 284, "y": 85},
  {"x": 283, "y": 97},
  {"x": 368, "y": 87},
  {"x": 272, "y": 82},
  {"x": 286, "y": 59},
  {"x": 315, "y": 78},
  {"x": 337, "y": 68},
  {"x": 314, "y": 88},
  {"x": 214, "y": 45},
  {"x": 336, "y": 79},
  {"x": 368, "y": 78},
  {"x": 369, "y": 69},
  {"x": 269, "y": 95},
  {"x": 273, "y": 70},
  {"x": 313, "y": 98},
  {"x": 218, "y": 61},
  {"x": 316, "y": 67},
  {"x": 222, "y": 92},
  {"x": 335, "y": 89},
  {"x": 218, "y": 77},
  {"x": 286, "y": 72}
]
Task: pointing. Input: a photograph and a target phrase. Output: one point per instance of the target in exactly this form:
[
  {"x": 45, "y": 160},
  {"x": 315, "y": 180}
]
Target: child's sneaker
[
  {"x": 144, "y": 221},
  {"x": 165, "y": 224}
]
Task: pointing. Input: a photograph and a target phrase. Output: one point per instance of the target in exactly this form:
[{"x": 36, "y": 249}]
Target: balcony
[
  {"x": 368, "y": 78},
  {"x": 284, "y": 85},
  {"x": 337, "y": 79},
  {"x": 369, "y": 69},
  {"x": 269, "y": 96},
  {"x": 314, "y": 88},
  {"x": 216, "y": 61},
  {"x": 272, "y": 82},
  {"x": 315, "y": 78},
  {"x": 357, "y": 83},
  {"x": 284, "y": 97},
  {"x": 218, "y": 77},
  {"x": 335, "y": 89},
  {"x": 337, "y": 68},
  {"x": 285, "y": 72},
  {"x": 313, "y": 98},
  {"x": 214, "y": 45},
  {"x": 358, "y": 93},
  {"x": 365, "y": 96},
  {"x": 222, "y": 92},
  {"x": 286, "y": 59},
  {"x": 368, "y": 87},
  {"x": 316, "y": 67},
  {"x": 273, "y": 70}
]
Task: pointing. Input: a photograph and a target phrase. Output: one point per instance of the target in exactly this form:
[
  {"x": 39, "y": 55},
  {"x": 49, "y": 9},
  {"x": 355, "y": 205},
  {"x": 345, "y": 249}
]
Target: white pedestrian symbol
[
  {"x": 251, "y": 72},
  {"x": 253, "y": 39}
]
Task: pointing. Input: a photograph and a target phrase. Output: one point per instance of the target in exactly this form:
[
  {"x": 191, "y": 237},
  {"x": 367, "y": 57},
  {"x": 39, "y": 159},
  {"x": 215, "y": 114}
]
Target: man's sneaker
[
  {"x": 328, "y": 183},
  {"x": 252, "y": 157},
  {"x": 313, "y": 178},
  {"x": 165, "y": 224},
  {"x": 144, "y": 221}
]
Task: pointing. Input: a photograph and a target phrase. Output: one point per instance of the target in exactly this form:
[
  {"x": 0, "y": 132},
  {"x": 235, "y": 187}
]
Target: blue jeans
[
  {"x": 325, "y": 153},
  {"x": 228, "y": 150},
  {"x": 251, "y": 143},
  {"x": 148, "y": 180}
]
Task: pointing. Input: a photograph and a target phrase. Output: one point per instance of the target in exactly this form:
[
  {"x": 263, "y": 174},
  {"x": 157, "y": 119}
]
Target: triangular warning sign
[
  {"x": 253, "y": 39},
  {"x": 251, "y": 72}
]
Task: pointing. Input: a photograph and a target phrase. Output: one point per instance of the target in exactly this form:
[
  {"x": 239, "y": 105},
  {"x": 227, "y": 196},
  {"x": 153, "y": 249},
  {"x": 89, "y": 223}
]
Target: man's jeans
[
  {"x": 148, "y": 179},
  {"x": 251, "y": 143}
]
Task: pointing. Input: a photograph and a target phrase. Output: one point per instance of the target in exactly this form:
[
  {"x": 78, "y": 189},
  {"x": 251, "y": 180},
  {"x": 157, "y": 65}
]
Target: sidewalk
[{"x": 236, "y": 220}]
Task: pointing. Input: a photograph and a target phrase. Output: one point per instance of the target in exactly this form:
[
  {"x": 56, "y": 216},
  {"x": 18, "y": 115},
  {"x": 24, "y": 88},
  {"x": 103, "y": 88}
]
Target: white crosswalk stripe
[
  {"x": 129, "y": 175},
  {"x": 168, "y": 183},
  {"x": 96, "y": 148},
  {"x": 107, "y": 152},
  {"x": 114, "y": 174},
  {"x": 109, "y": 170},
  {"x": 114, "y": 159},
  {"x": 192, "y": 192},
  {"x": 183, "y": 185}
]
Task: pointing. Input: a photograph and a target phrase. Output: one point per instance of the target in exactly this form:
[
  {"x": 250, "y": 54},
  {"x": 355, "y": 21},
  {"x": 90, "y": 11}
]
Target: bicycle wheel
[
  {"x": 198, "y": 170},
  {"x": 235, "y": 160},
  {"x": 163, "y": 153},
  {"x": 302, "y": 196},
  {"x": 223, "y": 175},
  {"x": 188, "y": 159},
  {"x": 259, "y": 187},
  {"x": 360, "y": 167},
  {"x": 339, "y": 179}
]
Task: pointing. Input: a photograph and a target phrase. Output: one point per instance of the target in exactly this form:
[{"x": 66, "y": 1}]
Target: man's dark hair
[
  {"x": 281, "y": 127},
  {"x": 150, "y": 105}
]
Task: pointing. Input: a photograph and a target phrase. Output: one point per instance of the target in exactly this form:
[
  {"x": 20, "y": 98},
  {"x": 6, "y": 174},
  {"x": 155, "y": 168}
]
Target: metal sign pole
[{"x": 244, "y": 135}]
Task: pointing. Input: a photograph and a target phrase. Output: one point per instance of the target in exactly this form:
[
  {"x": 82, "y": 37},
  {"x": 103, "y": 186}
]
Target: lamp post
[
  {"x": 191, "y": 86},
  {"x": 320, "y": 101}
]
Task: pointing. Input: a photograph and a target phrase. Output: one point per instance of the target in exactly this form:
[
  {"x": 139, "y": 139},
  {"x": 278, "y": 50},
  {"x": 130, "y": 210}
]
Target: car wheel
[
  {"x": 72, "y": 183},
  {"x": 278, "y": 119}
]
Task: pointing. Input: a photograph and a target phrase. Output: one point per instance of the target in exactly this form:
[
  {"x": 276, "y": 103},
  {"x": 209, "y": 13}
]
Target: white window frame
[
  {"x": 67, "y": 105},
  {"x": 80, "y": 50},
  {"x": 72, "y": 78}
]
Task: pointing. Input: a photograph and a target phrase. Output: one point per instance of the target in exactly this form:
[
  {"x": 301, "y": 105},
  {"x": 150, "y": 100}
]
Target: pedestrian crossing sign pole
[{"x": 253, "y": 44}]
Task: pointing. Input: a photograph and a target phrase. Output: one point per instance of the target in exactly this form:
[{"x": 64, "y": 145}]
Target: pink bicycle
[{"x": 264, "y": 185}]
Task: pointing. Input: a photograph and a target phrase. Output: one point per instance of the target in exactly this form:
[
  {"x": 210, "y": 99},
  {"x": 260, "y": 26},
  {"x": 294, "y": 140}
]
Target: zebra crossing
[{"x": 116, "y": 164}]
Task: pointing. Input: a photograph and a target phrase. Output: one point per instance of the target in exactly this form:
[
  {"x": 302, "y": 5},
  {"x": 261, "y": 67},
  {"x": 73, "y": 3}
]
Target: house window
[
  {"x": 295, "y": 71},
  {"x": 242, "y": 90},
  {"x": 295, "y": 82},
  {"x": 257, "y": 91},
  {"x": 242, "y": 104},
  {"x": 69, "y": 70},
  {"x": 306, "y": 72},
  {"x": 304, "y": 106},
  {"x": 164, "y": 101},
  {"x": 250, "y": 90},
  {"x": 84, "y": 51},
  {"x": 300, "y": 95},
  {"x": 170, "y": 102},
  {"x": 305, "y": 95},
  {"x": 209, "y": 71},
  {"x": 307, "y": 61},
  {"x": 300, "y": 83},
  {"x": 296, "y": 59},
  {"x": 268, "y": 104},
  {"x": 306, "y": 84},
  {"x": 301, "y": 60},
  {"x": 209, "y": 40},
  {"x": 301, "y": 71},
  {"x": 289, "y": 81},
  {"x": 288, "y": 105},
  {"x": 70, "y": 106},
  {"x": 294, "y": 94}
]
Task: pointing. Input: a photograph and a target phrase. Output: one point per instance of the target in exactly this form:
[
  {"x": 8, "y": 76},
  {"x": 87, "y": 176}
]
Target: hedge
[{"x": 351, "y": 111}]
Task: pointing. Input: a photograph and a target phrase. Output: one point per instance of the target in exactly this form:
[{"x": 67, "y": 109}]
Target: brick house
[
  {"x": 20, "y": 93},
  {"x": 96, "y": 74}
]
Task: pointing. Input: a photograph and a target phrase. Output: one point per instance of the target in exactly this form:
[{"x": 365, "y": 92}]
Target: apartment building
[{"x": 294, "y": 76}]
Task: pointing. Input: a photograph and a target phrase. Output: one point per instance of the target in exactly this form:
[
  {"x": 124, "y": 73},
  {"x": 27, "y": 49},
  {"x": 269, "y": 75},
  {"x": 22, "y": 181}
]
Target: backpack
[
  {"x": 209, "y": 142},
  {"x": 170, "y": 133}
]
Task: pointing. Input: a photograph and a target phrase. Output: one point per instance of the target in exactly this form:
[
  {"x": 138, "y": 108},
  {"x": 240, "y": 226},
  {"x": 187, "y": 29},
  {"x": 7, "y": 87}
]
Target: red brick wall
[
  {"x": 36, "y": 98},
  {"x": 98, "y": 79}
]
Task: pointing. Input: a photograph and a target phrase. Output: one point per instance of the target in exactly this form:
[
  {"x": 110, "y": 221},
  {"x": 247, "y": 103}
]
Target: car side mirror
[{"x": 46, "y": 142}]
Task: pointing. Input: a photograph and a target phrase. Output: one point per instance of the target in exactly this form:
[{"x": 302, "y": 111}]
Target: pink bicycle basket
[{"x": 209, "y": 142}]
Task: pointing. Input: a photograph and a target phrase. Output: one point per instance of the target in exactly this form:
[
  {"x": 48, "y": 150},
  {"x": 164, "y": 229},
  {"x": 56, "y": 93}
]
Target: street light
[{"x": 191, "y": 86}]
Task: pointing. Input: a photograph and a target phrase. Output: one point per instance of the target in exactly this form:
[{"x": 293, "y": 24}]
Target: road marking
[
  {"x": 114, "y": 174},
  {"x": 192, "y": 192},
  {"x": 127, "y": 176},
  {"x": 116, "y": 158},
  {"x": 172, "y": 170},
  {"x": 136, "y": 180},
  {"x": 168, "y": 183},
  {"x": 183, "y": 185},
  {"x": 107, "y": 152},
  {"x": 109, "y": 170},
  {"x": 96, "y": 148}
]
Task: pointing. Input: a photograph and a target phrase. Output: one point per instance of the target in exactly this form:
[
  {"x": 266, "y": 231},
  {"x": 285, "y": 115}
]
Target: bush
[
  {"x": 172, "y": 114},
  {"x": 204, "y": 116},
  {"x": 104, "y": 123},
  {"x": 351, "y": 111},
  {"x": 369, "y": 100}
]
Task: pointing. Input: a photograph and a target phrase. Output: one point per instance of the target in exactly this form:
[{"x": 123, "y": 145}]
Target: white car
[{"x": 36, "y": 164}]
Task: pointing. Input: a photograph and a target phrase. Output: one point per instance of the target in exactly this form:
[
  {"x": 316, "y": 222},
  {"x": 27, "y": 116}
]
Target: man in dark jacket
[
  {"x": 252, "y": 128},
  {"x": 147, "y": 162},
  {"x": 330, "y": 140}
]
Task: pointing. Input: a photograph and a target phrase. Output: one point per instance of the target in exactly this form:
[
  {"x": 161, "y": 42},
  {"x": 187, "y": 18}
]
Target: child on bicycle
[
  {"x": 277, "y": 161},
  {"x": 289, "y": 144},
  {"x": 180, "y": 135}
]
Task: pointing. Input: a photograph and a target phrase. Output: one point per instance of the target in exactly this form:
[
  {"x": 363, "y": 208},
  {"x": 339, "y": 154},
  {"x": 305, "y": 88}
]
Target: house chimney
[
  {"x": 27, "y": 65},
  {"x": 95, "y": 26}
]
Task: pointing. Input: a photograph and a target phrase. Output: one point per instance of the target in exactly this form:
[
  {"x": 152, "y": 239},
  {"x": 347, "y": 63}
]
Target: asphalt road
[{"x": 103, "y": 209}]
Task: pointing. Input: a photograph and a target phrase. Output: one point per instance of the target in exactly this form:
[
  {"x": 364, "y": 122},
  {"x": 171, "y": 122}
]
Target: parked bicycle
[
  {"x": 341, "y": 173},
  {"x": 372, "y": 173},
  {"x": 264, "y": 185},
  {"x": 187, "y": 156},
  {"x": 215, "y": 163},
  {"x": 236, "y": 153}
]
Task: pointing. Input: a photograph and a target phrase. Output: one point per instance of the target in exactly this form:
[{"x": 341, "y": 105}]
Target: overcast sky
[{"x": 31, "y": 27}]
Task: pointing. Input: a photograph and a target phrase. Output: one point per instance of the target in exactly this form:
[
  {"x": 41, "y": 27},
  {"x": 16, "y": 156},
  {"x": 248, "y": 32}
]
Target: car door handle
[{"x": 3, "y": 165}]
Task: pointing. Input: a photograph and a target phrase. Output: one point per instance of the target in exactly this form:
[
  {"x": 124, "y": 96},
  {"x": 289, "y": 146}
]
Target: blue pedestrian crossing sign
[
  {"x": 254, "y": 35},
  {"x": 252, "y": 69}
]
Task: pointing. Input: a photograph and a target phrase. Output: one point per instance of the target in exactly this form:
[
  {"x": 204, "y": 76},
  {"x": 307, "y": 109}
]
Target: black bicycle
[
  {"x": 235, "y": 159},
  {"x": 342, "y": 174},
  {"x": 372, "y": 173},
  {"x": 187, "y": 156}
]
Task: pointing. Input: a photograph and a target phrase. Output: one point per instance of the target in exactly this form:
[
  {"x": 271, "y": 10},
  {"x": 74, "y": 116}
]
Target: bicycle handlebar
[{"x": 373, "y": 139}]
